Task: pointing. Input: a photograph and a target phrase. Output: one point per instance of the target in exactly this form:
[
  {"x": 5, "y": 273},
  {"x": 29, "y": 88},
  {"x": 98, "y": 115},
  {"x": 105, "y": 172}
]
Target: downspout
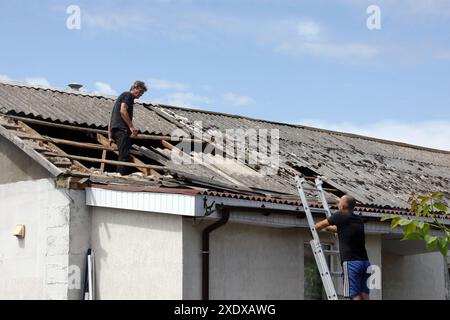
[{"x": 224, "y": 216}]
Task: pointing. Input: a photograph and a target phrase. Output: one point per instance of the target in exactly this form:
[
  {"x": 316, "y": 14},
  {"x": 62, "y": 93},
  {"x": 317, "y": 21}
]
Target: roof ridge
[
  {"x": 20, "y": 84},
  {"x": 146, "y": 103},
  {"x": 341, "y": 133}
]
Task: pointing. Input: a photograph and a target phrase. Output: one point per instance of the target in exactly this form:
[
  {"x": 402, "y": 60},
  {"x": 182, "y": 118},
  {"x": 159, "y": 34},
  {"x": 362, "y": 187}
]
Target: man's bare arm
[
  {"x": 324, "y": 224},
  {"x": 332, "y": 229},
  {"x": 126, "y": 117}
]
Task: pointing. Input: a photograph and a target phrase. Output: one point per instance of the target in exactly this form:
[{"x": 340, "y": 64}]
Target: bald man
[{"x": 354, "y": 260}]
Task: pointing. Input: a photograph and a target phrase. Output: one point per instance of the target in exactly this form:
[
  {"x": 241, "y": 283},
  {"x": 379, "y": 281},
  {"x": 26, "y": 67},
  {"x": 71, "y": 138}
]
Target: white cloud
[
  {"x": 309, "y": 30},
  {"x": 442, "y": 55},
  {"x": 342, "y": 50},
  {"x": 432, "y": 134},
  {"x": 207, "y": 28},
  {"x": 5, "y": 78},
  {"x": 105, "y": 88},
  {"x": 237, "y": 100},
  {"x": 309, "y": 40},
  {"x": 160, "y": 84},
  {"x": 38, "y": 81},
  {"x": 186, "y": 99},
  {"x": 115, "y": 21}
]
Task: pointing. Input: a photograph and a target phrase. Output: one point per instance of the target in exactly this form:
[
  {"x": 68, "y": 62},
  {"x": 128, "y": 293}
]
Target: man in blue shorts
[{"x": 352, "y": 244}]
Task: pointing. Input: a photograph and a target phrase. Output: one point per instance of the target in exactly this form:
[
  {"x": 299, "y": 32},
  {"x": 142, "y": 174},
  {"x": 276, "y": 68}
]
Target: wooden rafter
[
  {"x": 33, "y": 154},
  {"x": 85, "y": 145},
  {"x": 105, "y": 142},
  {"x": 102, "y": 165},
  {"x": 61, "y": 153},
  {"x": 104, "y": 132},
  {"x": 82, "y": 145},
  {"x": 113, "y": 162}
]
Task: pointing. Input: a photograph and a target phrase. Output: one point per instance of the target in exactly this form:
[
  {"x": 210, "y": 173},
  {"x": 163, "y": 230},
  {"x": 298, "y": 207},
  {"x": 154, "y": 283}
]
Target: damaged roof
[
  {"x": 380, "y": 174},
  {"x": 77, "y": 108},
  {"x": 377, "y": 172}
]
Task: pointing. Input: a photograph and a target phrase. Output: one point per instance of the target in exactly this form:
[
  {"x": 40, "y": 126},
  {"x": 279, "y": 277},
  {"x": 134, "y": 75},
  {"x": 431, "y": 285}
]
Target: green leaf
[
  {"x": 440, "y": 206},
  {"x": 387, "y": 218},
  {"x": 417, "y": 213},
  {"x": 412, "y": 236},
  {"x": 395, "y": 222},
  {"x": 443, "y": 245},
  {"x": 424, "y": 201},
  {"x": 404, "y": 222},
  {"x": 409, "y": 228},
  {"x": 420, "y": 225},
  {"x": 425, "y": 229},
  {"x": 437, "y": 195},
  {"x": 431, "y": 242},
  {"x": 426, "y": 210}
]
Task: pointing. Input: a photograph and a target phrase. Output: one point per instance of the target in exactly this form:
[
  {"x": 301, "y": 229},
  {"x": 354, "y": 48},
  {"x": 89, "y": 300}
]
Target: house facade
[{"x": 216, "y": 230}]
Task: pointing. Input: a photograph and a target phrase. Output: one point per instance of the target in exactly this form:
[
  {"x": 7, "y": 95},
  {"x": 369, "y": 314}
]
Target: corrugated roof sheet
[
  {"x": 376, "y": 172},
  {"x": 74, "y": 108}
]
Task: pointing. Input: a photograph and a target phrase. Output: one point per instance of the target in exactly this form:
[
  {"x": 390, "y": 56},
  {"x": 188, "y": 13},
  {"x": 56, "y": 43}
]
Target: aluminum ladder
[{"x": 316, "y": 246}]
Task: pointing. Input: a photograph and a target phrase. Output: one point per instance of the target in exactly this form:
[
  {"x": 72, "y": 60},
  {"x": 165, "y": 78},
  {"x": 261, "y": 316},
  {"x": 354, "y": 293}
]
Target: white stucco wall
[
  {"x": 418, "y": 276},
  {"x": 246, "y": 262},
  {"x": 138, "y": 255},
  {"x": 16, "y": 166},
  {"x": 373, "y": 247},
  {"x": 34, "y": 267},
  {"x": 80, "y": 242}
]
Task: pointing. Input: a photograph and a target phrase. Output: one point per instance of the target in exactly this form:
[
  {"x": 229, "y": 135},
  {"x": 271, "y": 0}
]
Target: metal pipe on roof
[
  {"x": 224, "y": 217},
  {"x": 75, "y": 86}
]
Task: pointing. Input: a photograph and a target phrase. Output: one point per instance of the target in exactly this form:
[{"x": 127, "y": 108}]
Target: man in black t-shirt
[
  {"x": 350, "y": 230},
  {"x": 121, "y": 127}
]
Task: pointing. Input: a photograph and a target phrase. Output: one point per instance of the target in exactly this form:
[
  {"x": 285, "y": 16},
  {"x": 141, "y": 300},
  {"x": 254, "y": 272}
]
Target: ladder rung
[
  {"x": 331, "y": 251},
  {"x": 336, "y": 274},
  {"x": 316, "y": 190}
]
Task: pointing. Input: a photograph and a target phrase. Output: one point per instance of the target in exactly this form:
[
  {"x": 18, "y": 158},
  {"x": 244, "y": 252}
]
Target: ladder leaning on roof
[{"x": 316, "y": 246}]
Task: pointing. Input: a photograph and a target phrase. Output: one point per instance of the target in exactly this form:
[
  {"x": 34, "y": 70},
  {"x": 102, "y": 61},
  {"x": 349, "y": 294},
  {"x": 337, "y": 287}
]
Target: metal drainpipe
[{"x": 225, "y": 215}]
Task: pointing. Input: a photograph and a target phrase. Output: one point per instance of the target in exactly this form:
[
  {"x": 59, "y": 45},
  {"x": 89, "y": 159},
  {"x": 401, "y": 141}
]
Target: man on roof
[
  {"x": 354, "y": 259},
  {"x": 121, "y": 127}
]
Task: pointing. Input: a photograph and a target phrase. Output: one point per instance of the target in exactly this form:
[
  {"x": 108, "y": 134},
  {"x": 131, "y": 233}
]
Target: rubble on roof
[{"x": 380, "y": 174}]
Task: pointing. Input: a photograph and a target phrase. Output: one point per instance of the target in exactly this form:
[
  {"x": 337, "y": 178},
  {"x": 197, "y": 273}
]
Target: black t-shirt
[
  {"x": 351, "y": 235},
  {"x": 116, "y": 119}
]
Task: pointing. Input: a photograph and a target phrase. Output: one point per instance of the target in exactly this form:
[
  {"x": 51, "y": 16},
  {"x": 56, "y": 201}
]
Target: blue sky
[{"x": 304, "y": 62}]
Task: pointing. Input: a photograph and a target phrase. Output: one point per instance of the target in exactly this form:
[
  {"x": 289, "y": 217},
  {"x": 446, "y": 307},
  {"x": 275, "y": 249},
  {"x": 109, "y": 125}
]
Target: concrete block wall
[
  {"x": 79, "y": 242},
  {"x": 420, "y": 276},
  {"x": 138, "y": 255},
  {"x": 373, "y": 247},
  {"x": 35, "y": 267},
  {"x": 246, "y": 262},
  {"x": 16, "y": 166}
]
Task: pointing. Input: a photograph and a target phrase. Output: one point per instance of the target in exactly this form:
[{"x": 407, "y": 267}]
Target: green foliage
[{"x": 425, "y": 207}]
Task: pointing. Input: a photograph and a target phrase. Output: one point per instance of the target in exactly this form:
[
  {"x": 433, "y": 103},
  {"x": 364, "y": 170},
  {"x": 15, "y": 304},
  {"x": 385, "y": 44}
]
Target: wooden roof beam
[
  {"x": 147, "y": 171},
  {"x": 93, "y": 130}
]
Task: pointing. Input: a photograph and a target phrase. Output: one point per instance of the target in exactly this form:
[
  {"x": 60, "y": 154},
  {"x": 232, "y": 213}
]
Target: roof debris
[{"x": 67, "y": 129}]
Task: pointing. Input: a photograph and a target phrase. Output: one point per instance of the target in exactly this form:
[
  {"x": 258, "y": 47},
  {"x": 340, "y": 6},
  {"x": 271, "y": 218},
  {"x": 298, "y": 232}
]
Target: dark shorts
[{"x": 355, "y": 277}]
